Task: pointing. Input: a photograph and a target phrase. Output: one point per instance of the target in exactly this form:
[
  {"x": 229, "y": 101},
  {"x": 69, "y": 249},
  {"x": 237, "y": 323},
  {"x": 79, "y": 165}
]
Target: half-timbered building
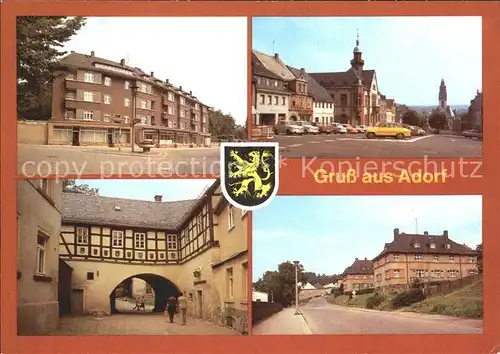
[{"x": 198, "y": 247}]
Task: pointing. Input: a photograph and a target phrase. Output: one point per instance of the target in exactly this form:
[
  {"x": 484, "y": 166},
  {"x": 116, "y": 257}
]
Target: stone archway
[
  {"x": 162, "y": 287},
  {"x": 293, "y": 118}
]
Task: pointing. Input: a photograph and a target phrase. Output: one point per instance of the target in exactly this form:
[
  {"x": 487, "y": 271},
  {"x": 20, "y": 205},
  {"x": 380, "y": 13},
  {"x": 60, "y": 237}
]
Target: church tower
[
  {"x": 443, "y": 96},
  {"x": 357, "y": 61}
]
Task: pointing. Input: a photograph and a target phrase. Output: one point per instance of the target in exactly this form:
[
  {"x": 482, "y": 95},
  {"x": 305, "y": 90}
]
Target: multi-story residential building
[
  {"x": 272, "y": 95},
  {"x": 355, "y": 92},
  {"x": 323, "y": 107},
  {"x": 428, "y": 258},
  {"x": 198, "y": 247},
  {"x": 300, "y": 103},
  {"x": 97, "y": 101},
  {"x": 390, "y": 110},
  {"x": 476, "y": 111},
  {"x": 39, "y": 223},
  {"x": 358, "y": 276}
]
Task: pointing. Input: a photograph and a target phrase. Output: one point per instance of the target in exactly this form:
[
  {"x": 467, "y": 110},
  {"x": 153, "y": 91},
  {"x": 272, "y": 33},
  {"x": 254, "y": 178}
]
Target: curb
[{"x": 305, "y": 327}]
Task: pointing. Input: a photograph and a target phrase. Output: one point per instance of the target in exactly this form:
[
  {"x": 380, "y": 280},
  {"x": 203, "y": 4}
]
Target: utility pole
[
  {"x": 296, "y": 263},
  {"x": 133, "y": 87}
]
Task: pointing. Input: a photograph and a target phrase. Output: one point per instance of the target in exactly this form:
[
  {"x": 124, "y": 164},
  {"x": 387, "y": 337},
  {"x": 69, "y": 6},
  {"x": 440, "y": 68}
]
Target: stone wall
[{"x": 32, "y": 132}]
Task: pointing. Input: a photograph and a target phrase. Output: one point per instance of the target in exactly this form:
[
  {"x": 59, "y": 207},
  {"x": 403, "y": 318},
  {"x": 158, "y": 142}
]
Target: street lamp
[
  {"x": 133, "y": 86},
  {"x": 296, "y": 263}
]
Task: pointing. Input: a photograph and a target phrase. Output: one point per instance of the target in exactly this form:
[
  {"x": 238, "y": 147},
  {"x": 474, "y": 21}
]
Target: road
[
  {"x": 324, "y": 318},
  {"x": 352, "y": 146},
  {"x": 42, "y": 160}
]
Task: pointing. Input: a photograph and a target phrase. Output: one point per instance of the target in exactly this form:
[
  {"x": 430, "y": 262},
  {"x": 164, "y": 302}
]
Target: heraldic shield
[{"x": 249, "y": 173}]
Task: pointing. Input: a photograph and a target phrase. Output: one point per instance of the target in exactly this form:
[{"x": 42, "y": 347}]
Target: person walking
[
  {"x": 182, "y": 302},
  {"x": 171, "y": 307}
]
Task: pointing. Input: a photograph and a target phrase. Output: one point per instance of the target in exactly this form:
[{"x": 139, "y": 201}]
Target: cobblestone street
[{"x": 136, "y": 324}]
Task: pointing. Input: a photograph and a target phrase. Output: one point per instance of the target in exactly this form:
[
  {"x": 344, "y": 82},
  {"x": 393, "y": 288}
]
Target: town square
[
  {"x": 336, "y": 92},
  {"x": 415, "y": 268}
]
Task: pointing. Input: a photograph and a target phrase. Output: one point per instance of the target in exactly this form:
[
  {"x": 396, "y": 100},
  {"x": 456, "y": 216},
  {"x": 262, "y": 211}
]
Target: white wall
[
  {"x": 259, "y": 296},
  {"x": 266, "y": 108},
  {"x": 323, "y": 112}
]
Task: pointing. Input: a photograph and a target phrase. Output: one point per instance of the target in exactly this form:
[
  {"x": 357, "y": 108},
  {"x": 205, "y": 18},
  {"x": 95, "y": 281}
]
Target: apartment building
[
  {"x": 272, "y": 95},
  {"x": 98, "y": 101},
  {"x": 38, "y": 227},
  {"x": 358, "y": 276},
  {"x": 428, "y": 258}
]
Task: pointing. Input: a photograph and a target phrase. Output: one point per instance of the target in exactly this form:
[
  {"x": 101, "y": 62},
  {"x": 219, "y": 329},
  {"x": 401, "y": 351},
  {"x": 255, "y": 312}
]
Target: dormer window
[
  {"x": 448, "y": 246},
  {"x": 416, "y": 245},
  {"x": 433, "y": 245}
]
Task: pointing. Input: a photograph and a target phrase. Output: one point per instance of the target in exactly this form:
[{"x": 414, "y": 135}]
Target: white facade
[
  {"x": 270, "y": 106},
  {"x": 259, "y": 296},
  {"x": 323, "y": 112}
]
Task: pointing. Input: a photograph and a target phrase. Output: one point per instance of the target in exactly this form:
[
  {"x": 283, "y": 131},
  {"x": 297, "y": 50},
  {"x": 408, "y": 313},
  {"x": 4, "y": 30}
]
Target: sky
[
  {"x": 206, "y": 55},
  {"x": 326, "y": 233},
  {"x": 409, "y": 54},
  {"x": 146, "y": 189}
]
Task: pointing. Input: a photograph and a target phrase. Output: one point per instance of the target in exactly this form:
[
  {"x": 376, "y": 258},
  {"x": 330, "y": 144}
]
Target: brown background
[{"x": 290, "y": 183}]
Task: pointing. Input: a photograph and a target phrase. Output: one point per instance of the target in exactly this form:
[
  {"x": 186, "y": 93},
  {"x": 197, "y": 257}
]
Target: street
[
  {"x": 357, "y": 145},
  {"x": 324, "y": 318},
  {"x": 68, "y": 160}
]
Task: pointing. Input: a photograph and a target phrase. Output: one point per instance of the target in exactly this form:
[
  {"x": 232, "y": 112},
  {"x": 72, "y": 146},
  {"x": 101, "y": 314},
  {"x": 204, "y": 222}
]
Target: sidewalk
[{"x": 283, "y": 322}]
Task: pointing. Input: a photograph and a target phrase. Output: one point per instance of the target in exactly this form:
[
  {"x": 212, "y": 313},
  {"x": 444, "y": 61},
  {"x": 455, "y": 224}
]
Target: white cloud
[{"x": 206, "y": 55}]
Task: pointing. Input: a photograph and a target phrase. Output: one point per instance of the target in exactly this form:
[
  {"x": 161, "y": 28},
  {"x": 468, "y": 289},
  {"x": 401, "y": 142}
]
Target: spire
[{"x": 356, "y": 48}]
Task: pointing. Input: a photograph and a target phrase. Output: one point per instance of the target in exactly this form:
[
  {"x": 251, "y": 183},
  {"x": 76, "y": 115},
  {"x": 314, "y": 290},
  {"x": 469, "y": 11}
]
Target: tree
[
  {"x": 479, "y": 249},
  {"x": 70, "y": 186},
  {"x": 411, "y": 117},
  {"x": 222, "y": 125},
  {"x": 39, "y": 39},
  {"x": 438, "y": 121},
  {"x": 341, "y": 288}
]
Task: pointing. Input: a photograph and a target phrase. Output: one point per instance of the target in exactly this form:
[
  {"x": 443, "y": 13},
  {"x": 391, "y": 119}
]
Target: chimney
[
  {"x": 303, "y": 70},
  {"x": 122, "y": 62},
  {"x": 445, "y": 234},
  {"x": 356, "y": 259},
  {"x": 276, "y": 56},
  {"x": 152, "y": 73},
  {"x": 72, "y": 52},
  {"x": 92, "y": 54},
  {"x": 191, "y": 93},
  {"x": 180, "y": 88},
  {"x": 396, "y": 234},
  {"x": 426, "y": 233},
  {"x": 158, "y": 198},
  {"x": 166, "y": 81},
  {"x": 366, "y": 259}
]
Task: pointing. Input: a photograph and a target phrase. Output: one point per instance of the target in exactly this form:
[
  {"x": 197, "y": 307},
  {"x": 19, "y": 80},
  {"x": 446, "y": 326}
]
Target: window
[
  {"x": 183, "y": 101},
  {"x": 90, "y": 275},
  {"x": 452, "y": 273},
  {"x": 107, "y": 81},
  {"x": 396, "y": 273},
  {"x": 262, "y": 99},
  {"x": 230, "y": 283},
  {"x": 88, "y": 96},
  {"x": 170, "y": 110},
  {"x": 420, "y": 273},
  {"x": 88, "y": 115},
  {"x": 171, "y": 242},
  {"x": 472, "y": 272},
  {"x": 126, "y": 102},
  {"x": 269, "y": 100},
  {"x": 395, "y": 257},
  {"x": 196, "y": 106},
  {"x": 107, "y": 99},
  {"x": 436, "y": 258},
  {"x": 448, "y": 246},
  {"x": 276, "y": 102},
  {"x": 419, "y": 257},
  {"x": 41, "y": 253},
  {"x": 143, "y": 87},
  {"x": 82, "y": 236},
  {"x": 127, "y": 85},
  {"x": 140, "y": 240},
  {"x": 107, "y": 117},
  {"x": 89, "y": 77},
  {"x": 416, "y": 245},
  {"x": 70, "y": 95},
  {"x": 117, "y": 238},
  {"x": 126, "y": 119},
  {"x": 451, "y": 259},
  {"x": 283, "y": 101},
  {"x": 170, "y": 96},
  {"x": 144, "y": 104},
  {"x": 433, "y": 245},
  {"x": 471, "y": 259},
  {"x": 230, "y": 216}
]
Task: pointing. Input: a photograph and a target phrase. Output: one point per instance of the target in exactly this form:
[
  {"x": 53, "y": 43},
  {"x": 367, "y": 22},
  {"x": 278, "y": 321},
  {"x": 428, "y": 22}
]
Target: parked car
[
  {"x": 308, "y": 127},
  {"x": 473, "y": 133},
  {"x": 288, "y": 127},
  {"x": 324, "y": 128},
  {"x": 339, "y": 128},
  {"x": 361, "y": 128},
  {"x": 421, "y": 131},
  {"x": 395, "y": 130},
  {"x": 350, "y": 129},
  {"x": 413, "y": 130}
]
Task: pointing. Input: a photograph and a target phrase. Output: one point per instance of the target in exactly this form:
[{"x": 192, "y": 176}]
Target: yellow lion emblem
[{"x": 248, "y": 172}]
